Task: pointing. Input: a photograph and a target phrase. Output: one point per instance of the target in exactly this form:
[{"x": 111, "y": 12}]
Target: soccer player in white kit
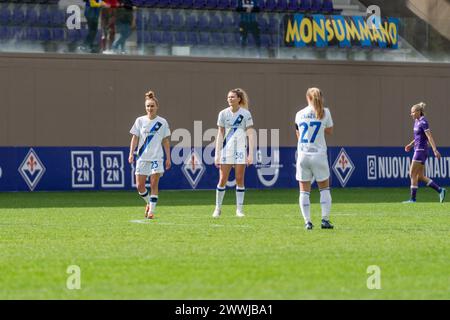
[
  {"x": 150, "y": 133},
  {"x": 311, "y": 125},
  {"x": 233, "y": 124}
]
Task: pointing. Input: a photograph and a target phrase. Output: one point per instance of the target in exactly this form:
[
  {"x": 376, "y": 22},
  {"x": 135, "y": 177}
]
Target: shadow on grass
[{"x": 80, "y": 199}]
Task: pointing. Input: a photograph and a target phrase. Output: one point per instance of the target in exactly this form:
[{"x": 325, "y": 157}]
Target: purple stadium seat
[
  {"x": 18, "y": 15},
  {"x": 223, "y": 4},
  {"x": 227, "y": 22},
  {"x": 316, "y": 5},
  {"x": 187, "y": 4},
  {"x": 166, "y": 21},
  {"x": 271, "y": 5},
  {"x": 202, "y": 21},
  {"x": 31, "y": 15},
  {"x": 215, "y": 22},
  {"x": 305, "y": 5},
  {"x": 191, "y": 22},
  {"x": 217, "y": 39},
  {"x": 163, "y": 3},
  {"x": 44, "y": 17},
  {"x": 58, "y": 34},
  {"x": 45, "y": 34},
  {"x": 5, "y": 15},
  {"x": 203, "y": 39},
  {"x": 263, "y": 24},
  {"x": 282, "y": 5},
  {"x": 211, "y": 4},
  {"x": 178, "y": 21},
  {"x": 180, "y": 38},
  {"x": 156, "y": 37},
  {"x": 199, "y": 4},
  {"x": 293, "y": 5},
  {"x": 154, "y": 21},
  {"x": 192, "y": 38},
  {"x": 167, "y": 37}
]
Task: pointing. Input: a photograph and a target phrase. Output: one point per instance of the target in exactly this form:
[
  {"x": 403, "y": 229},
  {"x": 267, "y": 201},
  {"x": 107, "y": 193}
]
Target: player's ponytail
[
  {"x": 243, "y": 96},
  {"x": 420, "y": 107},
  {"x": 315, "y": 96},
  {"x": 150, "y": 95}
]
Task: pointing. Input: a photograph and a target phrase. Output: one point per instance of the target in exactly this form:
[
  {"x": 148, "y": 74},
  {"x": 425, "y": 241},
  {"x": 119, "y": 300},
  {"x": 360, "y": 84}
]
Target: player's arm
[
  {"x": 329, "y": 131},
  {"x": 219, "y": 144},
  {"x": 166, "y": 146},
  {"x": 409, "y": 146},
  {"x": 133, "y": 145},
  {"x": 251, "y": 134},
  {"x": 297, "y": 134},
  {"x": 433, "y": 144}
]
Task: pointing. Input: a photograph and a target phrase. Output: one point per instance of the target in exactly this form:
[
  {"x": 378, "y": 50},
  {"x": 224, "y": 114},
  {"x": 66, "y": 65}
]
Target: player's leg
[
  {"x": 239, "y": 170},
  {"x": 430, "y": 183},
  {"x": 414, "y": 175},
  {"x": 224, "y": 173},
  {"x": 321, "y": 172},
  {"x": 143, "y": 192},
  {"x": 304, "y": 177},
  {"x": 325, "y": 203},
  {"x": 154, "y": 187}
]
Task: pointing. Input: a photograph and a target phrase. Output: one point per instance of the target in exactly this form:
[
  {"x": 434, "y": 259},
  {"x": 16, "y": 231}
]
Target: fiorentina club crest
[
  {"x": 193, "y": 169},
  {"x": 32, "y": 169},
  {"x": 343, "y": 167}
]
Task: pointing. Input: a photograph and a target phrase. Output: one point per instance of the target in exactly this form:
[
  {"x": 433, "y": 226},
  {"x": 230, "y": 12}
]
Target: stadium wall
[{"x": 93, "y": 100}]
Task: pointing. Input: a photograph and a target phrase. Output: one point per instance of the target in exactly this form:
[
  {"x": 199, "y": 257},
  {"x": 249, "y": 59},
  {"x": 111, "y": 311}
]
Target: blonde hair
[
  {"x": 150, "y": 95},
  {"x": 243, "y": 96},
  {"x": 315, "y": 96},
  {"x": 420, "y": 107}
]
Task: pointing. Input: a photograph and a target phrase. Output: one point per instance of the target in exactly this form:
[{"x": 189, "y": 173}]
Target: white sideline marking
[{"x": 145, "y": 221}]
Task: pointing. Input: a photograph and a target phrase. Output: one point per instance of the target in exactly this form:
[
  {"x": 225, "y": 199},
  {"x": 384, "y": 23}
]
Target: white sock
[
  {"x": 305, "y": 205},
  {"x": 153, "y": 202},
  {"x": 145, "y": 196},
  {"x": 325, "y": 203},
  {"x": 240, "y": 193},
  {"x": 220, "y": 193}
]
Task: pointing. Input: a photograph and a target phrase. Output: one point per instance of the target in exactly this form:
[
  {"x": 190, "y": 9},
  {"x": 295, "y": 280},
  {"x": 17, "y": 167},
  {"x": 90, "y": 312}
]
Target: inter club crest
[
  {"x": 193, "y": 168},
  {"x": 343, "y": 167},
  {"x": 32, "y": 169}
]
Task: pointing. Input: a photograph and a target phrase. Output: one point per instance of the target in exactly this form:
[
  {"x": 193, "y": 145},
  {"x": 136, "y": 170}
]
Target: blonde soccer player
[
  {"x": 234, "y": 125},
  {"x": 150, "y": 133},
  {"x": 422, "y": 139},
  {"x": 312, "y": 123}
]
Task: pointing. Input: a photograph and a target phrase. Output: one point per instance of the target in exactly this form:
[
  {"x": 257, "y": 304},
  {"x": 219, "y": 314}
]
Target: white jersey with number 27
[{"x": 312, "y": 131}]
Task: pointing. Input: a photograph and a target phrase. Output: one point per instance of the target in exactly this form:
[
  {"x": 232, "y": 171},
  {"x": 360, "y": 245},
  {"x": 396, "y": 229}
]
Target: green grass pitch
[{"x": 186, "y": 254}]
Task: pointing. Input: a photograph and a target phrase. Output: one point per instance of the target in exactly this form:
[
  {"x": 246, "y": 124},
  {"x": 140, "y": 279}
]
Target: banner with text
[
  {"x": 341, "y": 31},
  {"x": 96, "y": 168}
]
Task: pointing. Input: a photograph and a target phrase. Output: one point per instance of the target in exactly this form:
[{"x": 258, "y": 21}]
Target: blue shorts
[{"x": 420, "y": 156}]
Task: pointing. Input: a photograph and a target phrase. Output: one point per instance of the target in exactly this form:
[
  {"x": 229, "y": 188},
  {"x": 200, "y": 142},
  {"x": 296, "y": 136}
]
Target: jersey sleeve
[
  {"x": 221, "y": 120},
  {"x": 135, "y": 128},
  {"x": 248, "y": 120},
  {"x": 329, "y": 119},
  {"x": 424, "y": 125},
  {"x": 166, "y": 130}
]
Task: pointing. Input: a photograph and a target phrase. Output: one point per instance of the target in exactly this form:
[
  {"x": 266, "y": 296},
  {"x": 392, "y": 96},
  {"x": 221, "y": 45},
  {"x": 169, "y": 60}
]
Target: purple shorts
[{"x": 420, "y": 156}]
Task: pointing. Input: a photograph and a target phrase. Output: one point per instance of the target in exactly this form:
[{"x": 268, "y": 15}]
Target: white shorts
[
  {"x": 148, "y": 168},
  {"x": 234, "y": 154},
  {"x": 309, "y": 166}
]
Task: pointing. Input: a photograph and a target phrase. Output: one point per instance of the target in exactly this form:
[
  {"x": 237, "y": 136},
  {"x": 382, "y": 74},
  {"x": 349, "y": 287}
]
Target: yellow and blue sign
[{"x": 343, "y": 31}]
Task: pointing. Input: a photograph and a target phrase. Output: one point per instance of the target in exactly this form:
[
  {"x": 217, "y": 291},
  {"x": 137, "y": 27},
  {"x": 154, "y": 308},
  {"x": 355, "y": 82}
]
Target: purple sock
[
  {"x": 433, "y": 185},
  {"x": 413, "y": 192}
]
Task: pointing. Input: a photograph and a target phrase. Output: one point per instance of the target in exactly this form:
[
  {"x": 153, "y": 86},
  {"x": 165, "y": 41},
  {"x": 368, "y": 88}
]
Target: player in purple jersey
[{"x": 422, "y": 136}]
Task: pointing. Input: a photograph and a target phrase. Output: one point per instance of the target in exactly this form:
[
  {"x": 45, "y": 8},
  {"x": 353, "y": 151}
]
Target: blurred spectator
[
  {"x": 92, "y": 13},
  {"x": 248, "y": 10},
  {"x": 125, "y": 23},
  {"x": 108, "y": 24}
]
